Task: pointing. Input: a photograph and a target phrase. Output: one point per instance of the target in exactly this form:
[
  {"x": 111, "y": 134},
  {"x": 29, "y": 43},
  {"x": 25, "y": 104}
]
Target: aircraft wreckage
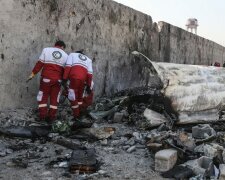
[{"x": 197, "y": 92}]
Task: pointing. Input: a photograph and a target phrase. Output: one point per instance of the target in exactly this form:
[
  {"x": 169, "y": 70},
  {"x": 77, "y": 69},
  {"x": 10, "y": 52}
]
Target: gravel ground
[{"x": 122, "y": 156}]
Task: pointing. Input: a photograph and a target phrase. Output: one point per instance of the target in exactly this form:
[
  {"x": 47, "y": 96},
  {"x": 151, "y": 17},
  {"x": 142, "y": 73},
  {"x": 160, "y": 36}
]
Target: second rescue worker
[
  {"x": 79, "y": 71},
  {"x": 51, "y": 61}
]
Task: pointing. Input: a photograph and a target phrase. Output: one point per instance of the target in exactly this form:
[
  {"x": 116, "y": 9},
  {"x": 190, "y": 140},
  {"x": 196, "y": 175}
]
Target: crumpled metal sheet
[
  {"x": 195, "y": 91},
  {"x": 25, "y": 132},
  {"x": 96, "y": 115}
]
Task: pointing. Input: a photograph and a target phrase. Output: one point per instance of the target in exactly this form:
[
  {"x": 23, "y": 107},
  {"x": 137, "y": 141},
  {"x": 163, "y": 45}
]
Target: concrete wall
[
  {"x": 22, "y": 37},
  {"x": 180, "y": 46},
  {"x": 107, "y": 30}
]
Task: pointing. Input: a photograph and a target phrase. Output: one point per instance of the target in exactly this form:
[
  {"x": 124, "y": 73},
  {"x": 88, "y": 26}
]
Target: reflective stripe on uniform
[
  {"x": 42, "y": 105},
  {"x": 79, "y": 64},
  {"x": 80, "y": 103},
  {"x": 53, "y": 107},
  {"x": 75, "y": 107}
]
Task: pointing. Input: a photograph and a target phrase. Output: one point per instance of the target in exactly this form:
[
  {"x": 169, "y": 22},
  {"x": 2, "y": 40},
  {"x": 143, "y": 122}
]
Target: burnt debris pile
[
  {"x": 143, "y": 107},
  {"x": 133, "y": 126},
  {"x": 194, "y": 151}
]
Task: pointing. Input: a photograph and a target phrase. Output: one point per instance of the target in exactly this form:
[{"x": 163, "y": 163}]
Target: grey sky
[{"x": 210, "y": 14}]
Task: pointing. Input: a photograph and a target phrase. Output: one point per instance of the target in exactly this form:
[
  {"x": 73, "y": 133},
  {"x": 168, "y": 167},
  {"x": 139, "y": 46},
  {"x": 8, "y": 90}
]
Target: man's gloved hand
[
  {"x": 88, "y": 90},
  {"x": 64, "y": 83},
  {"x": 30, "y": 77}
]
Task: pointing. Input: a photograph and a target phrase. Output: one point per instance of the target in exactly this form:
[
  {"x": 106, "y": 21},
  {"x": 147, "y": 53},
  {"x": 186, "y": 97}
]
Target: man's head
[
  {"x": 60, "y": 44},
  {"x": 80, "y": 51}
]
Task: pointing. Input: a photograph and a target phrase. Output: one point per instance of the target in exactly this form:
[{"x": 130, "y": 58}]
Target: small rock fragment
[{"x": 131, "y": 149}]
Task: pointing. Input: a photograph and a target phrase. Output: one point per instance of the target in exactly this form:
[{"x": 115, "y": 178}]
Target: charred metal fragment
[
  {"x": 179, "y": 172},
  {"x": 69, "y": 144},
  {"x": 25, "y": 132},
  {"x": 83, "y": 161}
]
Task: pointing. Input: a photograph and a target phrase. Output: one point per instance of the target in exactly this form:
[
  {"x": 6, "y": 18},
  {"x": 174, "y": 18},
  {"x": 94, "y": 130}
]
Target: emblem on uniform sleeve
[
  {"x": 57, "y": 54},
  {"x": 82, "y": 57}
]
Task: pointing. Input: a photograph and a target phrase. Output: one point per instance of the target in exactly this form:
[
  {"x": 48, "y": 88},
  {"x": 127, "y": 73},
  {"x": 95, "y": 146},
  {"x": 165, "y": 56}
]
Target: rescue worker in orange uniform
[
  {"x": 79, "y": 71},
  {"x": 51, "y": 61}
]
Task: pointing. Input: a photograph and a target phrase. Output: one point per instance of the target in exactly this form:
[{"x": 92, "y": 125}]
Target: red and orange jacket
[
  {"x": 78, "y": 66},
  {"x": 52, "y": 61}
]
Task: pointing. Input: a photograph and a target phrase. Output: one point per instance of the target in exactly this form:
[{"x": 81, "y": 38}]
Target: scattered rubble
[{"x": 135, "y": 129}]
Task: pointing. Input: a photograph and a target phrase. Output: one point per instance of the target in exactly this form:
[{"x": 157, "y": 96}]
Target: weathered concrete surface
[
  {"x": 180, "y": 46},
  {"x": 107, "y": 30}
]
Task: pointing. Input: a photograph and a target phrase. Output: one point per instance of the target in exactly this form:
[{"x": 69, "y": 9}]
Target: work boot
[
  {"x": 49, "y": 121},
  {"x": 39, "y": 119}
]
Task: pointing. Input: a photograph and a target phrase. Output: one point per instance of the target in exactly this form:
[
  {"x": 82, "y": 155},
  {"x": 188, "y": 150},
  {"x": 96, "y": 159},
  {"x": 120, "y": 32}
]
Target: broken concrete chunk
[
  {"x": 3, "y": 154},
  {"x": 212, "y": 150},
  {"x": 199, "y": 149},
  {"x": 165, "y": 160},
  {"x": 137, "y": 135},
  {"x": 153, "y": 118},
  {"x": 222, "y": 172},
  {"x": 104, "y": 142},
  {"x": 202, "y": 166},
  {"x": 118, "y": 117},
  {"x": 102, "y": 172},
  {"x": 131, "y": 149},
  {"x": 209, "y": 151},
  {"x": 202, "y": 131}
]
